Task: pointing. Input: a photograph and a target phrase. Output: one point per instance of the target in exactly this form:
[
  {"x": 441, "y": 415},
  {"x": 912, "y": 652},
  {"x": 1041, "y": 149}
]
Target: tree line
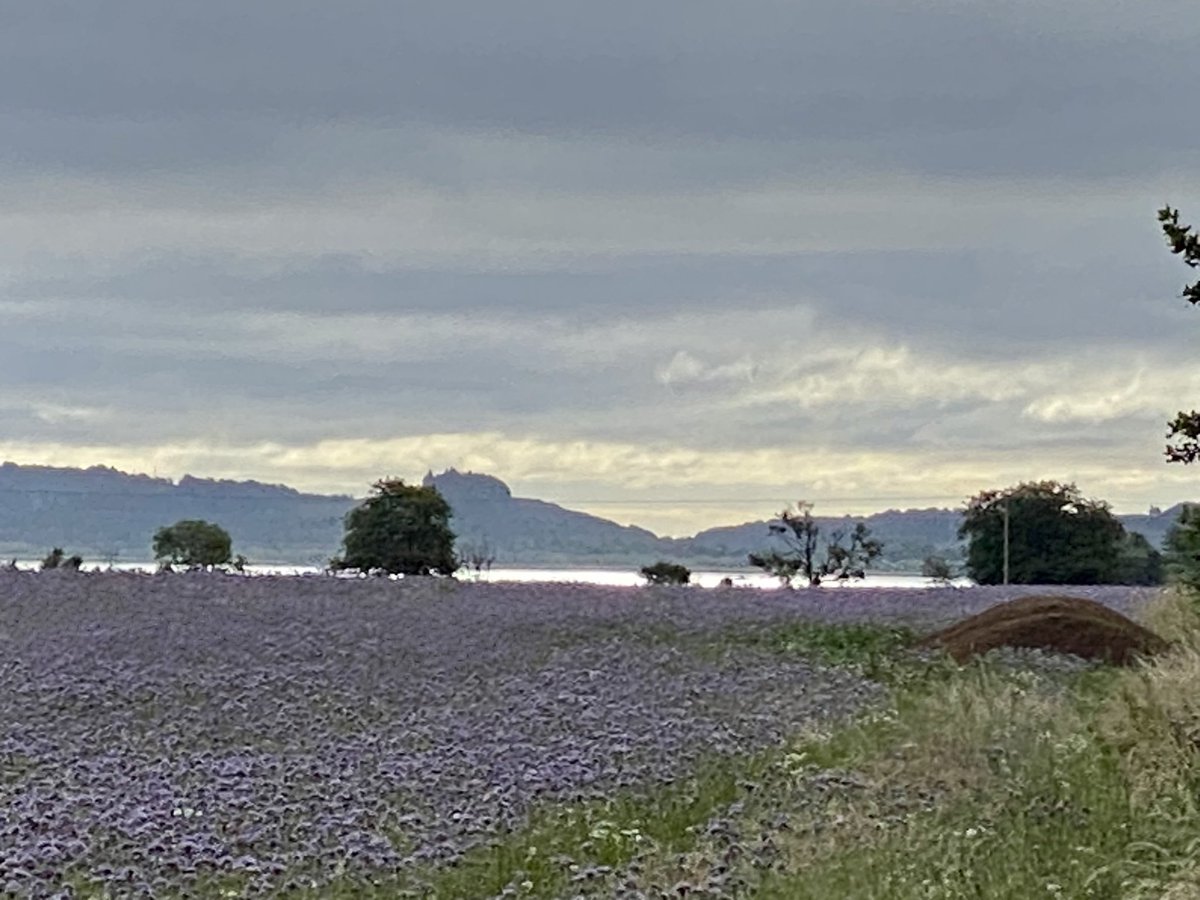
[{"x": 1043, "y": 532}]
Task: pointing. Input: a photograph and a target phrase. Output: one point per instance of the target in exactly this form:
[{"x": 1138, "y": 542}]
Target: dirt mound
[{"x": 1060, "y": 624}]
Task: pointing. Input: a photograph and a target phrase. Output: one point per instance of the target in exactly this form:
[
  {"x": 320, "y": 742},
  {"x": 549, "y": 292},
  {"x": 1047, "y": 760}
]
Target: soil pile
[{"x": 1059, "y": 624}]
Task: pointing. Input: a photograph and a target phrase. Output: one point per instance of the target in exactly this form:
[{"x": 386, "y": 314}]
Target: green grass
[
  {"x": 1030, "y": 801},
  {"x": 873, "y": 650},
  {"x": 1080, "y": 786}
]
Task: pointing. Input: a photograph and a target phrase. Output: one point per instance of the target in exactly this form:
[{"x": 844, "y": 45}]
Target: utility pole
[{"x": 1006, "y": 540}]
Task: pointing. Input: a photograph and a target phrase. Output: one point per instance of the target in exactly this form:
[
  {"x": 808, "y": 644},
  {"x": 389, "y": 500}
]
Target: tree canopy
[
  {"x": 400, "y": 529},
  {"x": 193, "y": 543},
  {"x": 1184, "y": 429},
  {"x": 1056, "y": 536}
]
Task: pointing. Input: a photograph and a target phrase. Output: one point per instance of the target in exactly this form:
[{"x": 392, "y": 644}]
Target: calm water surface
[{"x": 613, "y": 577}]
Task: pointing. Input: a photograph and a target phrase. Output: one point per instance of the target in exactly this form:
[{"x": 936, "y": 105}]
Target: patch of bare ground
[{"x": 1059, "y": 624}]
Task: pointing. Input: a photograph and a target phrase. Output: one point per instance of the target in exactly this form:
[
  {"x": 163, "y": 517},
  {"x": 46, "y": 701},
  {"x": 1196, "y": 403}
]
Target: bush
[
  {"x": 193, "y": 543},
  {"x": 477, "y": 558},
  {"x": 663, "y": 572},
  {"x": 936, "y": 568},
  {"x": 401, "y": 529},
  {"x": 56, "y": 560}
]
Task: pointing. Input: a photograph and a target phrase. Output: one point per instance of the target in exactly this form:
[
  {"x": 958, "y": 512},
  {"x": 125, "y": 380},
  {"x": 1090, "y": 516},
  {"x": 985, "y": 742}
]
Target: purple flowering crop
[{"x": 157, "y": 729}]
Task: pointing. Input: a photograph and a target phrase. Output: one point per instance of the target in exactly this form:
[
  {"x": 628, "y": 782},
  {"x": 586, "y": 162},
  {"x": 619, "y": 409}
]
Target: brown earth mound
[{"x": 1060, "y": 624}]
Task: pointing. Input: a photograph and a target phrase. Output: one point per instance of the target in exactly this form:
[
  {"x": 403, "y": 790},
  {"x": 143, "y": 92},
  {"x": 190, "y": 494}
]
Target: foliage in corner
[
  {"x": 800, "y": 534},
  {"x": 1184, "y": 430},
  {"x": 663, "y": 572},
  {"x": 399, "y": 530},
  {"x": 1183, "y": 549},
  {"x": 193, "y": 543}
]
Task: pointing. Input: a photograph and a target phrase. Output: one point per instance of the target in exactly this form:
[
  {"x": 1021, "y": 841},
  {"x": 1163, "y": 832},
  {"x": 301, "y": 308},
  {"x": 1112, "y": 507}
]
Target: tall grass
[{"x": 988, "y": 782}]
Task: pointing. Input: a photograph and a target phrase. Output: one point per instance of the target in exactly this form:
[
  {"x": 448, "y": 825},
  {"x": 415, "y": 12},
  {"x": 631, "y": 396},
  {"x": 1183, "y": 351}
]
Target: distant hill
[
  {"x": 1153, "y": 525},
  {"x": 908, "y": 536},
  {"x": 519, "y": 531},
  {"x": 103, "y": 513}
]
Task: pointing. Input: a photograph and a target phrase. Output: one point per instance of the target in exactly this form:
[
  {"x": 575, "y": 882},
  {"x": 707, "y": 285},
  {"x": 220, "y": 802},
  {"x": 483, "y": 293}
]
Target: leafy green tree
[
  {"x": 400, "y": 529},
  {"x": 193, "y": 543},
  {"x": 1183, "y": 549},
  {"x": 663, "y": 572},
  {"x": 1056, "y": 536},
  {"x": 800, "y": 534},
  {"x": 1185, "y": 427}
]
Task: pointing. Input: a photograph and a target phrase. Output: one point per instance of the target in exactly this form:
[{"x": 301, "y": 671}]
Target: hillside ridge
[{"x": 105, "y": 513}]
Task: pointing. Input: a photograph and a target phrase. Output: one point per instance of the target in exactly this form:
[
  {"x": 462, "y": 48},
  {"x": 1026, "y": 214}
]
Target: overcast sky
[{"x": 675, "y": 262}]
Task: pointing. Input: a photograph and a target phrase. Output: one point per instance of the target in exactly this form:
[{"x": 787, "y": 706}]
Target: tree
[
  {"x": 1185, "y": 427},
  {"x": 663, "y": 572},
  {"x": 193, "y": 543},
  {"x": 1183, "y": 549},
  {"x": 1055, "y": 536},
  {"x": 400, "y": 529},
  {"x": 800, "y": 534}
]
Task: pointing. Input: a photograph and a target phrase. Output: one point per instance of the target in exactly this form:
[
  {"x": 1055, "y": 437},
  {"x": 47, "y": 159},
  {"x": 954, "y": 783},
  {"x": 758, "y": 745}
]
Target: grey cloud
[
  {"x": 938, "y": 298},
  {"x": 925, "y": 87},
  {"x": 301, "y": 221}
]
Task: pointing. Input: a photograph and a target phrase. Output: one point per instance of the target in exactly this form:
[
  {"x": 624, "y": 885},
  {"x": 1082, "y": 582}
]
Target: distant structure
[{"x": 469, "y": 486}]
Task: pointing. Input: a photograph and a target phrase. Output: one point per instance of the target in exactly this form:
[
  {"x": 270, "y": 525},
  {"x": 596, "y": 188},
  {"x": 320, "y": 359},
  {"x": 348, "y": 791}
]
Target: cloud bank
[{"x": 672, "y": 264}]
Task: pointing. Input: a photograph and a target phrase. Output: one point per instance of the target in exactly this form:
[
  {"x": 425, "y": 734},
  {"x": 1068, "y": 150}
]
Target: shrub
[
  {"x": 937, "y": 568},
  {"x": 477, "y": 558},
  {"x": 663, "y": 572},
  {"x": 55, "y": 559}
]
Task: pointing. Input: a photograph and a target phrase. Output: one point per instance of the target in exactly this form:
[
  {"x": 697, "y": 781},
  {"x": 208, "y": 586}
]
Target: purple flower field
[{"x": 157, "y": 729}]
